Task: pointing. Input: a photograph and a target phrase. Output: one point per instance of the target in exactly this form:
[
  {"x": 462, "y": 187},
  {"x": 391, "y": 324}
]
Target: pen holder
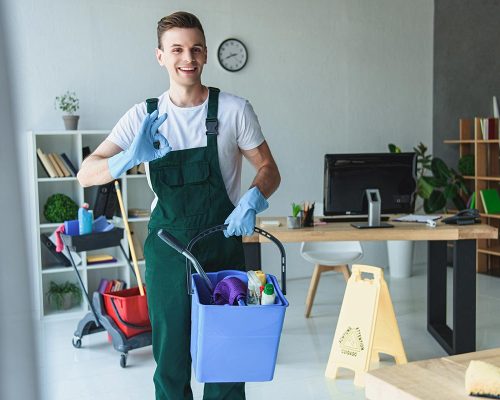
[
  {"x": 308, "y": 219},
  {"x": 293, "y": 222}
]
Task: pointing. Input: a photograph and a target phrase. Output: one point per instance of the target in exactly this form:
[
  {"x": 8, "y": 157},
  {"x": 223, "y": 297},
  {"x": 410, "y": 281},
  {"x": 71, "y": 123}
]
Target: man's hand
[
  {"x": 142, "y": 148},
  {"x": 242, "y": 220}
]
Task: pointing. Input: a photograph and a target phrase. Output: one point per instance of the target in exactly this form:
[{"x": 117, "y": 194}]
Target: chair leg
[
  {"x": 318, "y": 269},
  {"x": 345, "y": 270}
]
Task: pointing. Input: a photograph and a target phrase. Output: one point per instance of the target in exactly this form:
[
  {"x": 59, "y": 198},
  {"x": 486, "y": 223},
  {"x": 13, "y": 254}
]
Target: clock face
[{"x": 232, "y": 55}]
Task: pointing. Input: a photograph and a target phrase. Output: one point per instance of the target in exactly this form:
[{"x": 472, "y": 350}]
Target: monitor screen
[{"x": 347, "y": 176}]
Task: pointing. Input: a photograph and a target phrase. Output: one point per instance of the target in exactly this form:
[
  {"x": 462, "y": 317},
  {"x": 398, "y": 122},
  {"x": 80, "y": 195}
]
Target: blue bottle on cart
[{"x": 85, "y": 217}]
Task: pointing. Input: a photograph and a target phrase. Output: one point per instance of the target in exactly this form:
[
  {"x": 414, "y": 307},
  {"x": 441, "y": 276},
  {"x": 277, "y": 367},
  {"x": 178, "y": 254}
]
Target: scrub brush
[{"x": 482, "y": 380}]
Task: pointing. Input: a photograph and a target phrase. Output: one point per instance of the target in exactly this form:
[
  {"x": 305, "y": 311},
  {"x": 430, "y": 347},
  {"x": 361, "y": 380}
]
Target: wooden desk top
[
  {"x": 438, "y": 378},
  {"x": 338, "y": 231}
]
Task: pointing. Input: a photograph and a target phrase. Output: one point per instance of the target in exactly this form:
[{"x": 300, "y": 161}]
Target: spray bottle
[{"x": 85, "y": 217}]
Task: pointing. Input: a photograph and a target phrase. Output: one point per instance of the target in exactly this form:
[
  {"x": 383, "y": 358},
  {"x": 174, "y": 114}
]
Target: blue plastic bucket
[{"x": 233, "y": 343}]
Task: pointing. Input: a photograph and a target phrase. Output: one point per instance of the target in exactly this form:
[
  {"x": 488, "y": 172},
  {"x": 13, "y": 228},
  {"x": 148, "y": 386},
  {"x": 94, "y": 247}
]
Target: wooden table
[
  {"x": 461, "y": 338},
  {"x": 439, "y": 378}
]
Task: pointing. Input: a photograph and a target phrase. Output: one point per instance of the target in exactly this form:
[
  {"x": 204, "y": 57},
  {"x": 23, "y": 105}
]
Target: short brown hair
[{"x": 179, "y": 19}]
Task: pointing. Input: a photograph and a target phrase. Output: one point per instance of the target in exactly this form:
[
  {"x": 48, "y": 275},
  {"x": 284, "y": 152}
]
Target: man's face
[{"x": 183, "y": 55}]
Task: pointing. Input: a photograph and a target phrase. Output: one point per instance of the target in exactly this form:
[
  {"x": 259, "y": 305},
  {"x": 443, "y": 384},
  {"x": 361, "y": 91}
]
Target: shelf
[
  {"x": 494, "y": 251},
  {"x": 65, "y": 133},
  {"x": 117, "y": 264},
  {"x": 488, "y": 178},
  {"x": 57, "y": 270},
  {"x": 467, "y": 177},
  {"x": 457, "y": 141},
  {"x": 497, "y": 141},
  {"x": 66, "y": 179},
  {"x": 142, "y": 219},
  {"x": 136, "y": 176},
  {"x": 493, "y": 216}
]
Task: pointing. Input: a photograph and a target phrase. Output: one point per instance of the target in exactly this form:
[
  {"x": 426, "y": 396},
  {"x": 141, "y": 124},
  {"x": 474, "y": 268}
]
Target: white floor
[{"x": 93, "y": 372}]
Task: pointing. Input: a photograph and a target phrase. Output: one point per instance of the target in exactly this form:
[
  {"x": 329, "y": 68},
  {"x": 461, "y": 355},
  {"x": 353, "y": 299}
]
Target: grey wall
[
  {"x": 323, "y": 76},
  {"x": 466, "y": 66},
  {"x": 17, "y": 347}
]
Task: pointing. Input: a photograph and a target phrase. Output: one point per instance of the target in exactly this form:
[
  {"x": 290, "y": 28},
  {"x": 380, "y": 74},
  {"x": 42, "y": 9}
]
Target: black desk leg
[
  {"x": 462, "y": 338},
  {"x": 252, "y": 256},
  {"x": 464, "y": 296}
]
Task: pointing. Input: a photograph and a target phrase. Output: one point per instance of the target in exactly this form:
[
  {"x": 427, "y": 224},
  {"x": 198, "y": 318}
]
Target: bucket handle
[
  {"x": 260, "y": 231},
  {"x": 128, "y": 324},
  {"x": 185, "y": 250}
]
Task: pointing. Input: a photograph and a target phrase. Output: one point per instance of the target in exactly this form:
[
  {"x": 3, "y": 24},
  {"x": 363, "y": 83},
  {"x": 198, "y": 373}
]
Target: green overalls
[{"x": 191, "y": 197}]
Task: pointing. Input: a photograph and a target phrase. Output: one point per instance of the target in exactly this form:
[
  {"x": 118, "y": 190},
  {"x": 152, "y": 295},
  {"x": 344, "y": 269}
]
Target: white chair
[{"x": 328, "y": 256}]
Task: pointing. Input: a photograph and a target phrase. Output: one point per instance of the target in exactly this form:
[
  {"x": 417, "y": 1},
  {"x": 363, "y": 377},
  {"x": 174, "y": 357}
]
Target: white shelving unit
[{"x": 135, "y": 193}]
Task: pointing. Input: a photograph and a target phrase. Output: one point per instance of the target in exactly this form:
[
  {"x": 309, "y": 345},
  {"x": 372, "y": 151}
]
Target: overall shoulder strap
[{"x": 211, "y": 123}]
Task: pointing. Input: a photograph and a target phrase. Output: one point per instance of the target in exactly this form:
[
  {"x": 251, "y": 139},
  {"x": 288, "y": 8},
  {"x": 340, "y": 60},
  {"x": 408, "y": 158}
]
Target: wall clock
[{"x": 232, "y": 55}]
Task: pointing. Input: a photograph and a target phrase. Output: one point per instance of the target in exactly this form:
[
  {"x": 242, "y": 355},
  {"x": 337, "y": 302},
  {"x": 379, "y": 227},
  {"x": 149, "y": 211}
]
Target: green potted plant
[
  {"x": 64, "y": 296},
  {"x": 437, "y": 184},
  {"x": 60, "y": 208},
  {"x": 294, "y": 221},
  {"x": 69, "y": 104}
]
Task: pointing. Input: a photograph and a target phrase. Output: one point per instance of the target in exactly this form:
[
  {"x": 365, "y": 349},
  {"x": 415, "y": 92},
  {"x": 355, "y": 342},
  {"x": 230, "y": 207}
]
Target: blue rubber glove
[
  {"x": 142, "y": 148},
  {"x": 242, "y": 220}
]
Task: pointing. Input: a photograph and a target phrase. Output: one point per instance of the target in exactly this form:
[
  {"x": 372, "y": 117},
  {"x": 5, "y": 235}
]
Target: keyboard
[{"x": 350, "y": 218}]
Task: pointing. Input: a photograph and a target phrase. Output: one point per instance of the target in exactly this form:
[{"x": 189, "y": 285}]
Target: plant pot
[
  {"x": 400, "y": 254},
  {"x": 293, "y": 222},
  {"x": 71, "y": 122},
  {"x": 67, "y": 302}
]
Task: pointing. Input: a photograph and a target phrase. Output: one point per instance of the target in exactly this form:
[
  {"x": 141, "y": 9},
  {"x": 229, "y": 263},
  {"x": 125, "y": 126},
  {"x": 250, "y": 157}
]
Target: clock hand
[{"x": 231, "y": 55}]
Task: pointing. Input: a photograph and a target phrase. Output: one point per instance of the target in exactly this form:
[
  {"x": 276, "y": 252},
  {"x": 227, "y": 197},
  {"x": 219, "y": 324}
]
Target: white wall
[{"x": 323, "y": 76}]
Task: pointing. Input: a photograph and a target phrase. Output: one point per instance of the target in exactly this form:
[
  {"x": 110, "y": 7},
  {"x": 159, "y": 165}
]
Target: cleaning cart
[
  {"x": 231, "y": 343},
  {"x": 126, "y": 322}
]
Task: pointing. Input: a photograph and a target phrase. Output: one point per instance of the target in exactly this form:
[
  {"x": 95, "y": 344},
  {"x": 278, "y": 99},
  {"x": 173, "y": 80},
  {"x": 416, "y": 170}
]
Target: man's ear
[
  {"x": 206, "y": 55},
  {"x": 159, "y": 56}
]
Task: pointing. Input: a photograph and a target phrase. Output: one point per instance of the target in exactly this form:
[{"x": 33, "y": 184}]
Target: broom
[{"x": 129, "y": 238}]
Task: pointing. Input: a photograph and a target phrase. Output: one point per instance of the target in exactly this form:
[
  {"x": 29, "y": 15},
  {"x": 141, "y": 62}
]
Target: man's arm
[
  {"x": 268, "y": 177},
  {"x": 95, "y": 169}
]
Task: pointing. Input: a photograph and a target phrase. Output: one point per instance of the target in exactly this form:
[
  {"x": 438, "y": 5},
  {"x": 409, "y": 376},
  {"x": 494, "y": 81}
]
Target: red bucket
[{"x": 129, "y": 310}]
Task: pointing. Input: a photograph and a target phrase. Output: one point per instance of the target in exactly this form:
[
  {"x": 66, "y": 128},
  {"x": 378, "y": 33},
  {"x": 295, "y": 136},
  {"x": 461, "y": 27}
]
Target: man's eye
[
  {"x": 177, "y": 50},
  {"x": 197, "y": 50}
]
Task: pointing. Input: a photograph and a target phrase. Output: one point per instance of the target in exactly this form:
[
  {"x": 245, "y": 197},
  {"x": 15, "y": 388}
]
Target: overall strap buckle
[{"x": 212, "y": 125}]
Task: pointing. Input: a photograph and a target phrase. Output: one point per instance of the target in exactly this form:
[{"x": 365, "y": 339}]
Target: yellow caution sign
[{"x": 366, "y": 327}]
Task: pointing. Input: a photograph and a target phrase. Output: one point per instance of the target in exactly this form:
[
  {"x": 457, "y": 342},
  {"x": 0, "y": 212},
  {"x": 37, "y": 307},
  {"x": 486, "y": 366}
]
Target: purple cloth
[{"x": 229, "y": 291}]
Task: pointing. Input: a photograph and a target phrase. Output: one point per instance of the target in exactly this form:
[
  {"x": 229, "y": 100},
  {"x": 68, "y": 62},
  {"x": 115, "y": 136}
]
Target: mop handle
[
  {"x": 262, "y": 232},
  {"x": 129, "y": 238}
]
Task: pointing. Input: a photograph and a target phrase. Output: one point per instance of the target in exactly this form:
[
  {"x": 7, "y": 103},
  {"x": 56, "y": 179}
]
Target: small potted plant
[
  {"x": 294, "y": 221},
  {"x": 69, "y": 104},
  {"x": 64, "y": 296}
]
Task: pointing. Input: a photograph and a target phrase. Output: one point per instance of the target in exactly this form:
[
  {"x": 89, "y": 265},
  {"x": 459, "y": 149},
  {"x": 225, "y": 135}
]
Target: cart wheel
[
  {"x": 123, "y": 360},
  {"x": 77, "y": 342}
]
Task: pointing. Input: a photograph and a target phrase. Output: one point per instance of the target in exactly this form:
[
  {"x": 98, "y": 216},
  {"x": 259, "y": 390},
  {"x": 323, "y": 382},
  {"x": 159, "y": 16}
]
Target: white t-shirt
[{"x": 185, "y": 128}]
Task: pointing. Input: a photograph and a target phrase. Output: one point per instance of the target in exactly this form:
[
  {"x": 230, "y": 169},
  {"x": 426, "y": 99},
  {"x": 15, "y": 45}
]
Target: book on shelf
[
  {"x": 491, "y": 201},
  {"x": 46, "y": 163},
  {"x": 111, "y": 285},
  {"x": 100, "y": 258},
  {"x": 69, "y": 164},
  {"x": 138, "y": 213},
  {"x": 55, "y": 165},
  {"x": 60, "y": 257},
  {"x": 139, "y": 252},
  {"x": 489, "y": 128},
  {"x": 61, "y": 165}
]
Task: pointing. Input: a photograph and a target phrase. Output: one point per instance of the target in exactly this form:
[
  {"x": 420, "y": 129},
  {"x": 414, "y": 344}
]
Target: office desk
[{"x": 461, "y": 338}]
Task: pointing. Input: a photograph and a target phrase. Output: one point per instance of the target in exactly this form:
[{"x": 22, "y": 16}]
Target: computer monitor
[{"x": 347, "y": 176}]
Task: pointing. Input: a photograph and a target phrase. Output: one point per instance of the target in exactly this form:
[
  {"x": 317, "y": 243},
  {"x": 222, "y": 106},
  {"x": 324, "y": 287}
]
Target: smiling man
[{"x": 192, "y": 148}]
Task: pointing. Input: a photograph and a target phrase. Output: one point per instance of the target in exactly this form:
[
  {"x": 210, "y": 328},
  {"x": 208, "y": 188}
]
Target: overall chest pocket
[{"x": 183, "y": 190}]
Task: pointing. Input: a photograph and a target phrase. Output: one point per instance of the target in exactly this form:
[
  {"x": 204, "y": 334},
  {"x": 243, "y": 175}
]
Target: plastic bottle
[
  {"x": 262, "y": 276},
  {"x": 268, "y": 295},
  {"x": 253, "y": 293},
  {"x": 85, "y": 217}
]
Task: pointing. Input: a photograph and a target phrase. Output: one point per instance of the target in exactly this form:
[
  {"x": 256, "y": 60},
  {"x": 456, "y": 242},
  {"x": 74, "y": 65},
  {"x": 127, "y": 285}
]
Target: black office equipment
[
  {"x": 464, "y": 217},
  {"x": 348, "y": 176},
  {"x": 106, "y": 200}
]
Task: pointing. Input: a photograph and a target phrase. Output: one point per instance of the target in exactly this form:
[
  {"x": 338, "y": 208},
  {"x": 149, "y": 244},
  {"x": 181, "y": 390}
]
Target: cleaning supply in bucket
[
  {"x": 254, "y": 284},
  {"x": 230, "y": 290},
  {"x": 85, "y": 217},
  {"x": 262, "y": 277},
  {"x": 268, "y": 295}
]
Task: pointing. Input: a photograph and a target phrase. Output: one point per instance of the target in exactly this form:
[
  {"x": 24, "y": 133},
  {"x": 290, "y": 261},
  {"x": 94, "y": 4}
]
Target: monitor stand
[{"x": 374, "y": 202}]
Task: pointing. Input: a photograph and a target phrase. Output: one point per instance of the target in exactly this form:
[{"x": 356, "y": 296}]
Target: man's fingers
[
  {"x": 157, "y": 123},
  {"x": 144, "y": 125}
]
